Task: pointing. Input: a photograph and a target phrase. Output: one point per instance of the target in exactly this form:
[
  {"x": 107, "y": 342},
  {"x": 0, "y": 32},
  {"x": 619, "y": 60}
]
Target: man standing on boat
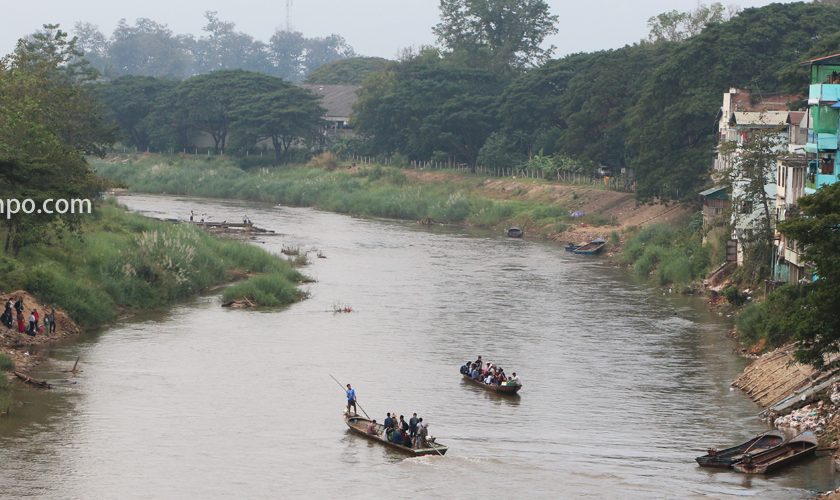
[
  {"x": 412, "y": 426},
  {"x": 351, "y": 399}
]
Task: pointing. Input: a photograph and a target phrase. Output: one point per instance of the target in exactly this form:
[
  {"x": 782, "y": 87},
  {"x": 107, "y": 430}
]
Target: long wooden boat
[
  {"x": 798, "y": 448},
  {"x": 725, "y": 458},
  {"x": 501, "y": 389},
  {"x": 359, "y": 425},
  {"x": 590, "y": 248}
]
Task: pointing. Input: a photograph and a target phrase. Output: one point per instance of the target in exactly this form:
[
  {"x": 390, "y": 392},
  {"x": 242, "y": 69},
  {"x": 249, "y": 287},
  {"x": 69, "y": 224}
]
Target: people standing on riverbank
[
  {"x": 52, "y": 327},
  {"x": 351, "y": 399},
  {"x": 32, "y": 329}
]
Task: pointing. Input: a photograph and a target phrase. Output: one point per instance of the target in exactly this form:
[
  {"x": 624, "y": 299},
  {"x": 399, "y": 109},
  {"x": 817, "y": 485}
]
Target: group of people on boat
[
  {"x": 488, "y": 373},
  {"x": 411, "y": 433}
]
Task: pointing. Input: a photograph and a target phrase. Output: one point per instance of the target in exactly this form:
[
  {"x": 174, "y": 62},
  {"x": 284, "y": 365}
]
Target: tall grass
[
  {"x": 124, "y": 261},
  {"x": 371, "y": 191},
  {"x": 669, "y": 255}
]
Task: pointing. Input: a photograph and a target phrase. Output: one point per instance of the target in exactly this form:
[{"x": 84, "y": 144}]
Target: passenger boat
[
  {"x": 514, "y": 232},
  {"x": 798, "y": 448},
  {"x": 501, "y": 389},
  {"x": 359, "y": 425},
  {"x": 590, "y": 248},
  {"x": 725, "y": 458}
]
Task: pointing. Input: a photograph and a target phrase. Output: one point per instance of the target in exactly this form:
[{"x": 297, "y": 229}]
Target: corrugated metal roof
[
  {"x": 822, "y": 59},
  {"x": 338, "y": 100},
  {"x": 766, "y": 119},
  {"x": 712, "y": 190}
]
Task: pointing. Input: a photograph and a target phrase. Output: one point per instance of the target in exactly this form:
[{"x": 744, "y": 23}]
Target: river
[{"x": 623, "y": 385}]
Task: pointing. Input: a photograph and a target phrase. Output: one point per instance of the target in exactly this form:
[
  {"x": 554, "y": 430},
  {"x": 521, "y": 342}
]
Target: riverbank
[
  {"x": 544, "y": 209},
  {"x": 118, "y": 263},
  {"x": 795, "y": 396}
]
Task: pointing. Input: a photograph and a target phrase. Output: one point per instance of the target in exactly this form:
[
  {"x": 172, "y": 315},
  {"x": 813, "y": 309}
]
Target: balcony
[{"x": 823, "y": 93}]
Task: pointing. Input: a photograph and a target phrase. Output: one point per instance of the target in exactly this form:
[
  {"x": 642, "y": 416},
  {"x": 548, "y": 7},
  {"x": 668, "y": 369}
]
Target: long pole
[{"x": 357, "y": 403}]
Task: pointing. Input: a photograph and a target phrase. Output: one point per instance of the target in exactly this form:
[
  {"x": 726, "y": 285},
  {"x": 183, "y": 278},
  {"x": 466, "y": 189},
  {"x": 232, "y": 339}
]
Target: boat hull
[
  {"x": 726, "y": 458},
  {"x": 358, "y": 425},
  {"x": 499, "y": 389},
  {"x": 774, "y": 459}
]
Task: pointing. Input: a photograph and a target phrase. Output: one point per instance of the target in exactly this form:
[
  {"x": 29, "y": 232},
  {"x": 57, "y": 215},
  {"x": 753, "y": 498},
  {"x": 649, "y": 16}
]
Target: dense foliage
[
  {"x": 352, "y": 71},
  {"x": 241, "y": 105},
  {"x": 148, "y": 48},
  {"x": 669, "y": 255},
  {"x": 649, "y": 106}
]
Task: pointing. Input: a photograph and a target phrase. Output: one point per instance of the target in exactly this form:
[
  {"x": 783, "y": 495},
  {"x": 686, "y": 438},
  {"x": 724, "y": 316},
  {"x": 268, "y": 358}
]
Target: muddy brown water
[{"x": 623, "y": 386}]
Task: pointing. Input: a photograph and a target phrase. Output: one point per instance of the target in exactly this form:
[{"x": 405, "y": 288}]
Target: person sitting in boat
[
  {"x": 371, "y": 428},
  {"x": 513, "y": 380},
  {"x": 406, "y": 440},
  {"x": 396, "y": 437},
  {"x": 479, "y": 363},
  {"x": 475, "y": 373},
  {"x": 465, "y": 369},
  {"x": 488, "y": 379}
]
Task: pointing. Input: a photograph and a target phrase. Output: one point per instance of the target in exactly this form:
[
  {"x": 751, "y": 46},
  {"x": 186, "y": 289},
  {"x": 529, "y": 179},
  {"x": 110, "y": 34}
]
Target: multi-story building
[{"x": 818, "y": 167}]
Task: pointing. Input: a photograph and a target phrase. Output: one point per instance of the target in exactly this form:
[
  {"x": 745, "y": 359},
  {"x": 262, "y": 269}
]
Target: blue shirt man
[
  {"x": 389, "y": 422},
  {"x": 351, "y": 399}
]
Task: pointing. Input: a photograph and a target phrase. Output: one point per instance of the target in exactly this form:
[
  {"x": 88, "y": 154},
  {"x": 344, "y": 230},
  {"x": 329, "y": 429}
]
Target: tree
[
  {"x": 754, "y": 167},
  {"x": 347, "y": 71},
  {"x": 283, "y": 116},
  {"x": 149, "y": 49},
  {"x": 428, "y": 104},
  {"x": 286, "y": 52},
  {"x": 506, "y": 34},
  {"x": 225, "y": 48},
  {"x": 207, "y": 103},
  {"x": 675, "y": 26},
  {"x": 321, "y": 51},
  {"x": 814, "y": 320},
  {"x": 129, "y": 100},
  {"x": 48, "y": 122},
  {"x": 93, "y": 45}
]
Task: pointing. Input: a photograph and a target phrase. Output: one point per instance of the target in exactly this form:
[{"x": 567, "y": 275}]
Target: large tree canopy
[
  {"x": 426, "y": 105},
  {"x": 48, "y": 122},
  {"x": 501, "y": 33}
]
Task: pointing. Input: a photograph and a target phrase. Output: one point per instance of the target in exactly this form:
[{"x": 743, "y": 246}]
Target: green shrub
[
  {"x": 265, "y": 290},
  {"x": 6, "y": 364}
]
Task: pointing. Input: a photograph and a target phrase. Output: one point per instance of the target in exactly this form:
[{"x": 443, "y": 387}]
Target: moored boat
[
  {"x": 501, "y": 389},
  {"x": 798, "y": 448},
  {"x": 590, "y": 248},
  {"x": 514, "y": 232},
  {"x": 359, "y": 425},
  {"x": 725, "y": 458}
]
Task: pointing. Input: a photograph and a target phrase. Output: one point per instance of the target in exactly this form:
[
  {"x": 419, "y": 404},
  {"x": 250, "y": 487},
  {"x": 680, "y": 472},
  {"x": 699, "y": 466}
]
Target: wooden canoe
[
  {"x": 798, "y": 448},
  {"x": 501, "y": 389},
  {"x": 358, "y": 425},
  {"x": 725, "y": 458},
  {"x": 591, "y": 248}
]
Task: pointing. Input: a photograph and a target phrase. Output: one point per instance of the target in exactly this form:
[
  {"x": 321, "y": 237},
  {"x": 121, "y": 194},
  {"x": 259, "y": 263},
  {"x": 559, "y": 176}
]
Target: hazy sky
[{"x": 372, "y": 27}]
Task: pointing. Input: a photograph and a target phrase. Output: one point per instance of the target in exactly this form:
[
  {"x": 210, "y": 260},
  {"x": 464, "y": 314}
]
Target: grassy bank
[
  {"x": 671, "y": 255},
  {"x": 371, "y": 191},
  {"x": 122, "y": 261}
]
